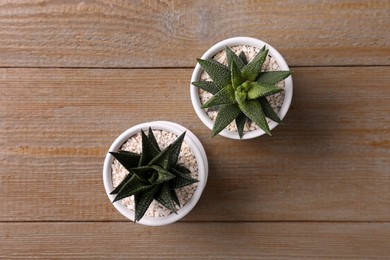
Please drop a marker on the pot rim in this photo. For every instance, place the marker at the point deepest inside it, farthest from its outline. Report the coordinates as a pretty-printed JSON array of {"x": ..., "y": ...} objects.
[
  {"x": 232, "y": 42},
  {"x": 196, "y": 148}
]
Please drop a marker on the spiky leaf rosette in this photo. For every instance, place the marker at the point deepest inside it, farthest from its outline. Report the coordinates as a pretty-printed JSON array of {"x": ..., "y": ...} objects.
[
  {"x": 240, "y": 90},
  {"x": 153, "y": 174}
]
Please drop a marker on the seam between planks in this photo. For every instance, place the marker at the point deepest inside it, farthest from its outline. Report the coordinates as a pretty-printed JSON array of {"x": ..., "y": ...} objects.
[
  {"x": 189, "y": 222},
  {"x": 173, "y": 68}
]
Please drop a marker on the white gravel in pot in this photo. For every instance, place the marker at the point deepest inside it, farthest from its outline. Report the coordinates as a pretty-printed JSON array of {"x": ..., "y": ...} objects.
[
  {"x": 186, "y": 158},
  {"x": 270, "y": 64}
]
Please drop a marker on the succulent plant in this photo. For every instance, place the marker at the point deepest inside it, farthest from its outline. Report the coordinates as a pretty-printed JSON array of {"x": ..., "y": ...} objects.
[
  {"x": 153, "y": 174},
  {"x": 240, "y": 90}
]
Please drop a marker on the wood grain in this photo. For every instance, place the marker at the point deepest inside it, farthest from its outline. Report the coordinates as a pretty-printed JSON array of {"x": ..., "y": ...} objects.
[
  {"x": 106, "y": 33},
  {"x": 75, "y": 74},
  {"x": 329, "y": 162},
  {"x": 195, "y": 241}
]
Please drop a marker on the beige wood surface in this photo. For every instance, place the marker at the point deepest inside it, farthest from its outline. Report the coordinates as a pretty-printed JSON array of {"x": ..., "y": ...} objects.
[
  {"x": 330, "y": 161},
  {"x": 116, "y": 33},
  {"x": 209, "y": 240},
  {"x": 76, "y": 74}
]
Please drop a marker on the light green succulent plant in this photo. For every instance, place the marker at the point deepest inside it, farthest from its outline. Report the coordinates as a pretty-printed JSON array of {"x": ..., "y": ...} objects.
[
  {"x": 240, "y": 90},
  {"x": 153, "y": 174}
]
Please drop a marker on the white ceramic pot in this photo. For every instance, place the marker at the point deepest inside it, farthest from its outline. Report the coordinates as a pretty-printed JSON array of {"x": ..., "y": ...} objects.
[
  {"x": 200, "y": 156},
  {"x": 221, "y": 46}
]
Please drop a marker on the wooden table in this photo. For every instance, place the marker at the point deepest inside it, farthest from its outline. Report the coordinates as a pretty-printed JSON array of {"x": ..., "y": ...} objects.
[{"x": 75, "y": 74}]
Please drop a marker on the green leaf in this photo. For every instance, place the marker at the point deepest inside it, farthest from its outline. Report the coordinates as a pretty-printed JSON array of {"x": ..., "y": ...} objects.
[
  {"x": 253, "y": 110},
  {"x": 216, "y": 62},
  {"x": 142, "y": 202},
  {"x": 163, "y": 175},
  {"x": 182, "y": 179},
  {"x": 272, "y": 77},
  {"x": 242, "y": 57},
  {"x": 226, "y": 114},
  {"x": 224, "y": 96},
  {"x": 127, "y": 159},
  {"x": 163, "y": 159},
  {"x": 148, "y": 150},
  {"x": 217, "y": 72},
  {"x": 173, "y": 194},
  {"x": 268, "y": 111},
  {"x": 240, "y": 94},
  {"x": 153, "y": 140},
  {"x": 153, "y": 174},
  {"x": 208, "y": 86},
  {"x": 240, "y": 123},
  {"x": 182, "y": 169},
  {"x": 237, "y": 78},
  {"x": 176, "y": 147},
  {"x": 232, "y": 57},
  {"x": 133, "y": 186},
  {"x": 257, "y": 90},
  {"x": 122, "y": 183},
  {"x": 164, "y": 197},
  {"x": 143, "y": 173},
  {"x": 253, "y": 68}
]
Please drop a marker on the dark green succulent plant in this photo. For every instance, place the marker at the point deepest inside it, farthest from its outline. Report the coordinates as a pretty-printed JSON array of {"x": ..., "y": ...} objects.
[
  {"x": 240, "y": 90},
  {"x": 153, "y": 174}
]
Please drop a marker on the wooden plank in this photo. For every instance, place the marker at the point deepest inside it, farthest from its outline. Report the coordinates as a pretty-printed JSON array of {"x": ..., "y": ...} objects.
[
  {"x": 329, "y": 162},
  {"x": 195, "y": 241},
  {"x": 173, "y": 33}
]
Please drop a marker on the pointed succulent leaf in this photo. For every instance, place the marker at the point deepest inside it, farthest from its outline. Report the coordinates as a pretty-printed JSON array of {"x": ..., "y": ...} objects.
[
  {"x": 272, "y": 77},
  {"x": 215, "y": 62},
  {"x": 208, "y": 86},
  {"x": 253, "y": 68},
  {"x": 152, "y": 174},
  {"x": 226, "y": 114},
  {"x": 127, "y": 159},
  {"x": 162, "y": 175},
  {"x": 122, "y": 183},
  {"x": 217, "y": 72},
  {"x": 224, "y": 96},
  {"x": 133, "y": 186},
  {"x": 173, "y": 194},
  {"x": 240, "y": 123},
  {"x": 240, "y": 95},
  {"x": 232, "y": 57},
  {"x": 164, "y": 197},
  {"x": 237, "y": 78},
  {"x": 268, "y": 110},
  {"x": 182, "y": 179},
  {"x": 148, "y": 150},
  {"x": 257, "y": 90},
  {"x": 242, "y": 57},
  {"x": 253, "y": 110},
  {"x": 262, "y": 49},
  {"x": 143, "y": 173},
  {"x": 153, "y": 140},
  {"x": 142, "y": 202},
  {"x": 146, "y": 182},
  {"x": 176, "y": 147},
  {"x": 182, "y": 168},
  {"x": 163, "y": 159}
]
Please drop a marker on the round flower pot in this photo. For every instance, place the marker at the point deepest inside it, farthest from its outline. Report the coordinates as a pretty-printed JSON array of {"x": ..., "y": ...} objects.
[
  {"x": 240, "y": 41},
  {"x": 202, "y": 165}
]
